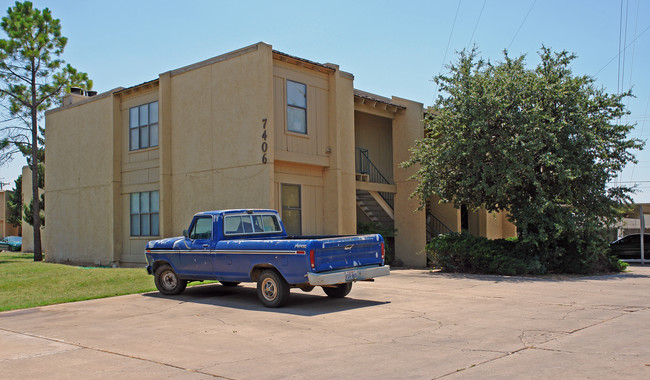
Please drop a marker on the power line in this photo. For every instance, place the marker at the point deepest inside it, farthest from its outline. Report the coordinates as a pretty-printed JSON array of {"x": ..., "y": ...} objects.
[
  {"x": 447, "y": 49},
  {"x": 522, "y": 24},
  {"x": 475, "y": 25},
  {"x": 618, "y": 55},
  {"x": 627, "y": 13},
  {"x": 620, "y": 34}
]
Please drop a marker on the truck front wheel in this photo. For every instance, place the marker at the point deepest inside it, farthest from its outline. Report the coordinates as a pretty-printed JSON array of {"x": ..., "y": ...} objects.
[
  {"x": 272, "y": 289},
  {"x": 167, "y": 281},
  {"x": 340, "y": 291}
]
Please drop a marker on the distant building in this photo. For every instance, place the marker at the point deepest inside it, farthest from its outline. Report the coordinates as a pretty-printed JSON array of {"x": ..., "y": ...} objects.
[
  {"x": 253, "y": 128},
  {"x": 6, "y": 228}
]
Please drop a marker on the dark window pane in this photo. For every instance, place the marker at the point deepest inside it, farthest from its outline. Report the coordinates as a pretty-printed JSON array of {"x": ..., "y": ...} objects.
[
  {"x": 135, "y": 139},
  {"x": 291, "y": 219},
  {"x": 155, "y": 201},
  {"x": 153, "y": 135},
  {"x": 153, "y": 112},
  {"x": 290, "y": 196},
  {"x": 144, "y": 225},
  {"x": 133, "y": 117},
  {"x": 135, "y": 203},
  {"x": 233, "y": 225},
  {"x": 144, "y": 114},
  {"x": 154, "y": 225},
  {"x": 296, "y": 94},
  {"x": 144, "y": 202},
  {"x": 203, "y": 228},
  {"x": 246, "y": 224},
  {"x": 271, "y": 223},
  {"x": 135, "y": 225},
  {"x": 144, "y": 137},
  {"x": 258, "y": 224},
  {"x": 296, "y": 119}
]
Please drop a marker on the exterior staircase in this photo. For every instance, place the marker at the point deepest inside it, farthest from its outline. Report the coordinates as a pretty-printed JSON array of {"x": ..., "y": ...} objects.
[
  {"x": 372, "y": 207},
  {"x": 435, "y": 226},
  {"x": 378, "y": 206}
]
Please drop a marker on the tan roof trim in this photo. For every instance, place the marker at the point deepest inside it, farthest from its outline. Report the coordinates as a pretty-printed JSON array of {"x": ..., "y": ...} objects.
[
  {"x": 84, "y": 101},
  {"x": 311, "y": 65},
  {"x": 141, "y": 86},
  {"x": 376, "y": 100},
  {"x": 219, "y": 58}
]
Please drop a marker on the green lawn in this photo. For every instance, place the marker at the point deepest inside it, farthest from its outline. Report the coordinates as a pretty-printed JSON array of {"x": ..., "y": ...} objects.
[{"x": 25, "y": 283}]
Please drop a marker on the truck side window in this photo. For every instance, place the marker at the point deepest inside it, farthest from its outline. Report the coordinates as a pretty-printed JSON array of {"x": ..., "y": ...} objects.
[
  {"x": 257, "y": 223},
  {"x": 233, "y": 225},
  {"x": 246, "y": 223},
  {"x": 202, "y": 229},
  {"x": 271, "y": 224}
]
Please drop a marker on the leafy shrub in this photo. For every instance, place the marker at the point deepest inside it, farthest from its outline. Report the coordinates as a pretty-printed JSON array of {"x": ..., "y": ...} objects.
[
  {"x": 465, "y": 253},
  {"x": 471, "y": 254}
]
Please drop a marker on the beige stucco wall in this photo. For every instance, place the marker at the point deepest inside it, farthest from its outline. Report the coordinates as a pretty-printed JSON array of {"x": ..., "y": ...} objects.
[
  {"x": 217, "y": 111},
  {"x": 339, "y": 178},
  {"x": 410, "y": 224},
  {"x": 139, "y": 172},
  {"x": 497, "y": 226},
  {"x": 446, "y": 213},
  {"x": 79, "y": 182}
]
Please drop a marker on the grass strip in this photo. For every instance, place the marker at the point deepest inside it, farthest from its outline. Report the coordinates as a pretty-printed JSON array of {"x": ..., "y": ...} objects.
[{"x": 25, "y": 283}]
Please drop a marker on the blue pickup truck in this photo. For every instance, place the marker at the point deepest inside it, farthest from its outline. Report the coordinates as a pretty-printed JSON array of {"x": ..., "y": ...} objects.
[{"x": 234, "y": 246}]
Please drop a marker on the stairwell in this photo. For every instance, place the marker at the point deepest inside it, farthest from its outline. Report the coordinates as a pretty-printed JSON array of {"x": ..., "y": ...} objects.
[{"x": 373, "y": 210}]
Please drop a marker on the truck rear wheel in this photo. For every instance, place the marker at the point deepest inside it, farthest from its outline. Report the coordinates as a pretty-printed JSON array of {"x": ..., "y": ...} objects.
[
  {"x": 272, "y": 289},
  {"x": 167, "y": 281},
  {"x": 340, "y": 291}
]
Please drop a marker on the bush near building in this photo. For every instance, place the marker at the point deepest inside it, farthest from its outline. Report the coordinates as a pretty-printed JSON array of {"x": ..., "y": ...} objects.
[{"x": 465, "y": 253}]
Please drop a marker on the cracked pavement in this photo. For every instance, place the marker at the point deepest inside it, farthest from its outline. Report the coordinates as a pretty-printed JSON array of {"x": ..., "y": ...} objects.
[{"x": 413, "y": 324}]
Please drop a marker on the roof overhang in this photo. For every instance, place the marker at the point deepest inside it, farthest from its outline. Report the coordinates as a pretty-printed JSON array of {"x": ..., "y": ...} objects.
[
  {"x": 311, "y": 65},
  {"x": 376, "y": 101}
]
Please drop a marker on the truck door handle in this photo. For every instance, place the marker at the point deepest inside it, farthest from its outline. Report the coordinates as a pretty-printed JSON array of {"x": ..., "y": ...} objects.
[{"x": 205, "y": 245}]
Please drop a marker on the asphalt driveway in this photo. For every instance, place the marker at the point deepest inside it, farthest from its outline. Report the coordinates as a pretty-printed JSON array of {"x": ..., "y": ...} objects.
[{"x": 412, "y": 324}]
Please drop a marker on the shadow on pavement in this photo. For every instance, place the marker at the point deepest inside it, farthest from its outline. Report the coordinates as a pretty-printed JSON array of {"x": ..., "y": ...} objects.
[{"x": 245, "y": 298}]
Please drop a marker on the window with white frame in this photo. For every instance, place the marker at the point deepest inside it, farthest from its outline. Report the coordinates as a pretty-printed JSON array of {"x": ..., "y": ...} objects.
[
  {"x": 291, "y": 209},
  {"x": 296, "y": 107},
  {"x": 145, "y": 214},
  {"x": 143, "y": 126}
]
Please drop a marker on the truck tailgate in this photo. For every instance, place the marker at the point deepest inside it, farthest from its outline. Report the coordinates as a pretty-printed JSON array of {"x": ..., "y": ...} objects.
[{"x": 347, "y": 252}]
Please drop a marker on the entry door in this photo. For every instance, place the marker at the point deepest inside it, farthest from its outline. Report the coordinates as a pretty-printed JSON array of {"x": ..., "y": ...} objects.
[{"x": 198, "y": 260}]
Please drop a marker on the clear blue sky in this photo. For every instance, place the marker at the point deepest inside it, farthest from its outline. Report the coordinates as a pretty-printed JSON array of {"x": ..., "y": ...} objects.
[{"x": 391, "y": 47}]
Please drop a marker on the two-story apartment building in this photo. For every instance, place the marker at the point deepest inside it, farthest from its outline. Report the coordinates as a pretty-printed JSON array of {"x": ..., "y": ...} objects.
[{"x": 253, "y": 128}]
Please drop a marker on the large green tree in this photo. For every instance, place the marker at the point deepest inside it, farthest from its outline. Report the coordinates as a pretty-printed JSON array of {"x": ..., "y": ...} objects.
[
  {"x": 541, "y": 144},
  {"x": 33, "y": 76}
]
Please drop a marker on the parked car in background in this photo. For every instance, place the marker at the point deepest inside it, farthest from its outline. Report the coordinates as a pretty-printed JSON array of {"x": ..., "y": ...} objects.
[
  {"x": 629, "y": 247},
  {"x": 11, "y": 243}
]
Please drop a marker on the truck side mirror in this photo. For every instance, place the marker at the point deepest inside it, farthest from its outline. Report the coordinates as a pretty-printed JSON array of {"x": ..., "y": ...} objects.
[{"x": 185, "y": 234}]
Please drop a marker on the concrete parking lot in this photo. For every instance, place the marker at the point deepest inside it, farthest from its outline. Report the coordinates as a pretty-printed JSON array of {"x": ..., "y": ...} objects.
[{"x": 413, "y": 324}]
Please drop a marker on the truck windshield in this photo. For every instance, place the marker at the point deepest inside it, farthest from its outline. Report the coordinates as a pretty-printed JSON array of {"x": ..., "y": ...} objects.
[{"x": 251, "y": 224}]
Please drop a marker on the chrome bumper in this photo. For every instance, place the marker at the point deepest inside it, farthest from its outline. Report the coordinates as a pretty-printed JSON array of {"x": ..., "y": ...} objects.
[{"x": 347, "y": 275}]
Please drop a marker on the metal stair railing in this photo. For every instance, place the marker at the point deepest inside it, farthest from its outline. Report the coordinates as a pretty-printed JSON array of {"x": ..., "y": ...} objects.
[
  {"x": 435, "y": 226},
  {"x": 365, "y": 166}
]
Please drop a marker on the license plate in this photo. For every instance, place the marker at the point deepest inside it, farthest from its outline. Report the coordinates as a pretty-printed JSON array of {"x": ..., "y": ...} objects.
[{"x": 351, "y": 275}]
